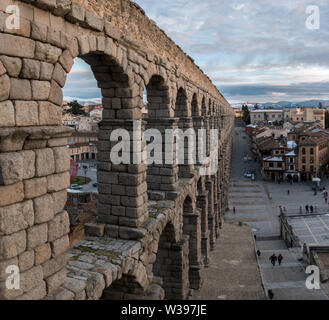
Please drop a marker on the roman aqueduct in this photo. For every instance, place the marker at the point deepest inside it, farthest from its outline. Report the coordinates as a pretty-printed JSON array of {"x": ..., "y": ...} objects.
[{"x": 156, "y": 224}]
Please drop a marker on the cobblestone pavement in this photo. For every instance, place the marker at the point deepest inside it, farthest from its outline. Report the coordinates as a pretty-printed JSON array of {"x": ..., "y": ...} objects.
[{"x": 233, "y": 272}]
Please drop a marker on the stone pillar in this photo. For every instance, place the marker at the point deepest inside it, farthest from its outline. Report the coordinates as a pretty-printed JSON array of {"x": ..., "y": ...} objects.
[
  {"x": 202, "y": 204},
  {"x": 192, "y": 228},
  {"x": 123, "y": 201},
  {"x": 178, "y": 289},
  {"x": 211, "y": 220},
  {"x": 186, "y": 169},
  {"x": 206, "y": 121},
  {"x": 163, "y": 178},
  {"x": 34, "y": 227},
  {"x": 198, "y": 124}
]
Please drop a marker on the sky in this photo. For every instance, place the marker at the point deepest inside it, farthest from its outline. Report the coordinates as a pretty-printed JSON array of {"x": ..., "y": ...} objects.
[{"x": 253, "y": 50}]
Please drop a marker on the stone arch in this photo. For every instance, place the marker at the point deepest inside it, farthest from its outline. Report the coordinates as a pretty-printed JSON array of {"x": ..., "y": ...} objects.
[
  {"x": 157, "y": 91},
  {"x": 183, "y": 112},
  {"x": 181, "y": 105},
  {"x": 169, "y": 260},
  {"x": 132, "y": 284},
  {"x": 122, "y": 102}
]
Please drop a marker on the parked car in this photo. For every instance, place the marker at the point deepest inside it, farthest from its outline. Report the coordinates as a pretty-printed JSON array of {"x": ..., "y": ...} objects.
[
  {"x": 95, "y": 184},
  {"x": 76, "y": 187}
]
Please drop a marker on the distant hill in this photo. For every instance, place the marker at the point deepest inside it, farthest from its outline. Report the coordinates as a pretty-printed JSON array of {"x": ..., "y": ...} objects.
[{"x": 289, "y": 104}]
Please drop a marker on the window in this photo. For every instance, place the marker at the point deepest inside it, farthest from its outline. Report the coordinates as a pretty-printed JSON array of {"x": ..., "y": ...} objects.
[
  {"x": 291, "y": 160},
  {"x": 273, "y": 116},
  {"x": 311, "y": 151},
  {"x": 291, "y": 167},
  {"x": 311, "y": 160},
  {"x": 303, "y": 151},
  {"x": 271, "y": 165},
  {"x": 279, "y": 116},
  {"x": 303, "y": 168},
  {"x": 303, "y": 160},
  {"x": 279, "y": 165},
  {"x": 312, "y": 168}
]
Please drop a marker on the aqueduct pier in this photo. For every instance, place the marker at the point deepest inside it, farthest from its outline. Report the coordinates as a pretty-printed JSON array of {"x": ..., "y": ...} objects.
[{"x": 156, "y": 224}]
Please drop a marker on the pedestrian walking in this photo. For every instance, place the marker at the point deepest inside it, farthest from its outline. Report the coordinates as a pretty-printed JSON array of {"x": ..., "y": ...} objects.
[
  {"x": 273, "y": 259},
  {"x": 306, "y": 208},
  {"x": 234, "y": 210},
  {"x": 258, "y": 253},
  {"x": 288, "y": 192},
  {"x": 311, "y": 208},
  {"x": 270, "y": 294},
  {"x": 280, "y": 258}
]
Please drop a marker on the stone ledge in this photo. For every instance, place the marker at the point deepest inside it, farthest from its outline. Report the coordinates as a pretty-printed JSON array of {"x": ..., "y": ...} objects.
[
  {"x": 94, "y": 264},
  {"x": 35, "y": 132}
]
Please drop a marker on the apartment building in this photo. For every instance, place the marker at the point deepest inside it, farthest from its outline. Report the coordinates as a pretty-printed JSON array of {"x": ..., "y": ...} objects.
[
  {"x": 266, "y": 116},
  {"x": 83, "y": 146}
]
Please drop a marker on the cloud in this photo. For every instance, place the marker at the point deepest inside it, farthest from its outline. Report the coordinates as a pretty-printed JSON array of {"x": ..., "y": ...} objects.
[
  {"x": 248, "y": 41},
  {"x": 260, "y": 47}
]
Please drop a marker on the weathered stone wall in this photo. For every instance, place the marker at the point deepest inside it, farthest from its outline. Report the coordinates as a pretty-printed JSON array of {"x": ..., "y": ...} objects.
[{"x": 127, "y": 53}]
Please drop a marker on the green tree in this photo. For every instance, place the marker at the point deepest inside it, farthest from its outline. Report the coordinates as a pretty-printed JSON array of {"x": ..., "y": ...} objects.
[
  {"x": 245, "y": 114},
  {"x": 256, "y": 106},
  {"x": 76, "y": 108}
]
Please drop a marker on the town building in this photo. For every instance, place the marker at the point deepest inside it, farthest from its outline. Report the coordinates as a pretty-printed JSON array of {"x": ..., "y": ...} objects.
[
  {"x": 264, "y": 116},
  {"x": 305, "y": 114},
  {"x": 83, "y": 146}
]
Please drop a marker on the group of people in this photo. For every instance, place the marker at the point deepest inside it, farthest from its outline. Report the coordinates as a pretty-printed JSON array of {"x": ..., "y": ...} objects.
[
  {"x": 274, "y": 259},
  {"x": 309, "y": 209}
]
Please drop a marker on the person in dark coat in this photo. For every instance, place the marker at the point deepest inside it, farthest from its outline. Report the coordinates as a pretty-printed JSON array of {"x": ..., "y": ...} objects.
[
  {"x": 258, "y": 253},
  {"x": 280, "y": 258},
  {"x": 273, "y": 259},
  {"x": 270, "y": 294},
  {"x": 288, "y": 192},
  {"x": 306, "y": 208},
  {"x": 311, "y": 208}
]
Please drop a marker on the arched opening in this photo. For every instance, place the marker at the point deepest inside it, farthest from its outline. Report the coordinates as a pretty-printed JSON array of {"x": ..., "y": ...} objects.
[
  {"x": 158, "y": 121},
  {"x": 192, "y": 228},
  {"x": 186, "y": 140},
  {"x": 121, "y": 175},
  {"x": 181, "y": 107},
  {"x": 82, "y": 110},
  {"x": 168, "y": 261},
  {"x": 194, "y": 104},
  {"x": 204, "y": 107}
]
